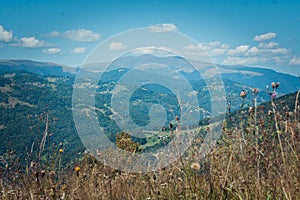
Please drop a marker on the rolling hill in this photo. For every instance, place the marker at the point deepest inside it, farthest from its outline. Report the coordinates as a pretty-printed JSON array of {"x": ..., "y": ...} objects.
[{"x": 32, "y": 92}]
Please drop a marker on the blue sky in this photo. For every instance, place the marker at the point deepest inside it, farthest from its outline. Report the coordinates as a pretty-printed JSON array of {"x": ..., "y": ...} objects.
[{"x": 232, "y": 32}]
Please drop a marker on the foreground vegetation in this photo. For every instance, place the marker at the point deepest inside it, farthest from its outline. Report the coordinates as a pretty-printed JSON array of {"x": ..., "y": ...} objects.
[{"x": 257, "y": 157}]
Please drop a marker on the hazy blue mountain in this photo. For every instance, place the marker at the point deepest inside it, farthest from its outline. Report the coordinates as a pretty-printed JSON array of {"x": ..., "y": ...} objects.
[
  {"x": 242, "y": 75},
  {"x": 28, "y": 89},
  {"x": 39, "y": 68},
  {"x": 260, "y": 78}
]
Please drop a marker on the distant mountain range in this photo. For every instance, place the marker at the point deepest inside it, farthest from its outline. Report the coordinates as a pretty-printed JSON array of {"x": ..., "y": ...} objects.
[
  {"x": 243, "y": 75},
  {"x": 28, "y": 89},
  {"x": 38, "y": 68}
]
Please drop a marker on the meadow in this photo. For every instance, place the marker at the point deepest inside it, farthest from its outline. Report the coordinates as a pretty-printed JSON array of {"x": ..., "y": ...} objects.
[{"x": 256, "y": 157}]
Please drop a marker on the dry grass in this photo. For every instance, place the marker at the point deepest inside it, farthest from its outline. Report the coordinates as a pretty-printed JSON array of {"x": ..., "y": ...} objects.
[{"x": 256, "y": 159}]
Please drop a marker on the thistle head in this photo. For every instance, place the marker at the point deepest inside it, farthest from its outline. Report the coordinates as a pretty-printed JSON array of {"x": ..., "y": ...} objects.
[
  {"x": 274, "y": 94},
  {"x": 243, "y": 94},
  {"x": 255, "y": 90},
  {"x": 273, "y": 84},
  {"x": 195, "y": 166}
]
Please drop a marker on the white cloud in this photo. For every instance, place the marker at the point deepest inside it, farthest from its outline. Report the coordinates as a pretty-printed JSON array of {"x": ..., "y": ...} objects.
[
  {"x": 295, "y": 61},
  {"x": 78, "y": 50},
  {"x": 243, "y": 60},
  {"x": 259, "y": 56},
  {"x": 269, "y": 45},
  {"x": 263, "y": 37},
  {"x": 156, "y": 51},
  {"x": 213, "y": 48},
  {"x": 281, "y": 59},
  {"x": 210, "y": 45},
  {"x": 166, "y": 27},
  {"x": 225, "y": 46},
  {"x": 117, "y": 46},
  {"x": 194, "y": 50},
  {"x": 30, "y": 42},
  {"x": 80, "y": 35},
  {"x": 145, "y": 50},
  {"x": 193, "y": 47},
  {"x": 266, "y": 52},
  {"x": 279, "y": 51},
  {"x": 240, "y": 50},
  {"x": 213, "y": 43},
  {"x": 253, "y": 51},
  {"x": 52, "y": 51},
  {"x": 217, "y": 52},
  {"x": 54, "y": 34},
  {"x": 5, "y": 36}
]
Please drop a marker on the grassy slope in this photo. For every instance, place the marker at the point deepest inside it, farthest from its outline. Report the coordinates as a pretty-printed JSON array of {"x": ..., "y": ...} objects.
[{"x": 257, "y": 158}]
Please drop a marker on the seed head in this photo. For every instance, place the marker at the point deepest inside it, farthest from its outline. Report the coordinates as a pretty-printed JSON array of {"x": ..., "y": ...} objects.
[
  {"x": 255, "y": 90},
  {"x": 243, "y": 94},
  {"x": 273, "y": 84},
  {"x": 195, "y": 166}
]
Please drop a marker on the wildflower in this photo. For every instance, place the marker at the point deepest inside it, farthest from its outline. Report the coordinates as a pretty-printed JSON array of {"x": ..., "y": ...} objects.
[
  {"x": 261, "y": 122},
  {"x": 164, "y": 184},
  {"x": 195, "y": 166},
  {"x": 270, "y": 112},
  {"x": 278, "y": 116},
  {"x": 42, "y": 173},
  {"x": 61, "y": 150},
  {"x": 77, "y": 169},
  {"x": 287, "y": 114},
  {"x": 64, "y": 186},
  {"x": 98, "y": 153},
  {"x": 243, "y": 94},
  {"x": 255, "y": 90},
  {"x": 52, "y": 192},
  {"x": 12, "y": 192},
  {"x": 273, "y": 84},
  {"x": 63, "y": 196},
  {"x": 274, "y": 94},
  {"x": 52, "y": 173},
  {"x": 251, "y": 110}
]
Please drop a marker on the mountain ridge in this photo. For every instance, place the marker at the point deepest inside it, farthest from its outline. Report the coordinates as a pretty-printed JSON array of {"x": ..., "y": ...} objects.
[{"x": 48, "y": 89}]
